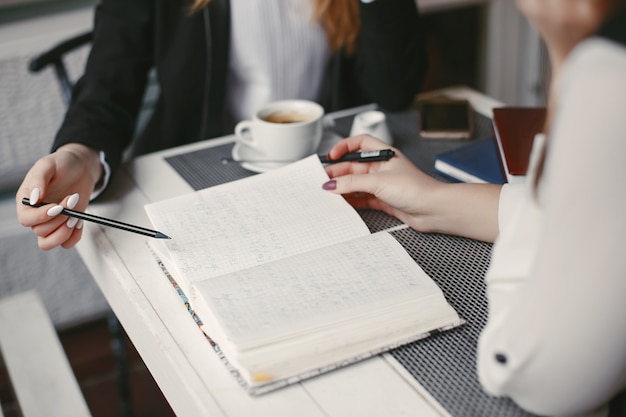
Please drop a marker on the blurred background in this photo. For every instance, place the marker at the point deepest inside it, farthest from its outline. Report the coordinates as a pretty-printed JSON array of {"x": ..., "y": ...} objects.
[{"x": 484, "y": 44}]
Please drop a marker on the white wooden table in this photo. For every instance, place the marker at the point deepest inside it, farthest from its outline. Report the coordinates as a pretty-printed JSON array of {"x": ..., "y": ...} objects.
[{"x": 191, "y": 376}]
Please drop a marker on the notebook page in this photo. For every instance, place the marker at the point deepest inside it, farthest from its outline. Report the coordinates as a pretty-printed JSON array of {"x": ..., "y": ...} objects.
[
  {"x": 254, "y": 221},
  {"x": 312, "y": 291}
]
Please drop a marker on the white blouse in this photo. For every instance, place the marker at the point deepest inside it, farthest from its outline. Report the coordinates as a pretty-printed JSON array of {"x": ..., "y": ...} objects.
[
  {"x": 277, "y": 51},
  {"x": 555, "y": 341}
]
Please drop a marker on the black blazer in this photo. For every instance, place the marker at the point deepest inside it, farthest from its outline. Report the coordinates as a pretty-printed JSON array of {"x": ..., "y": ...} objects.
[{"x": 190, "y": 55}]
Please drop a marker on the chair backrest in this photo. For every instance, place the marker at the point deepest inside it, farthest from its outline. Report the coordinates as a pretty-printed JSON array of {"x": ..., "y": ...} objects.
[
  {"x": 31, "y": 111},
  {"x": 55, "y": 56}
]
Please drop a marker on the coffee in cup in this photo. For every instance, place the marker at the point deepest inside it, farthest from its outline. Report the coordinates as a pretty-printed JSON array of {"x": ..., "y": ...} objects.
[
  {"x": 288, "y": 117},
  {"x": 285, "y": 130}
]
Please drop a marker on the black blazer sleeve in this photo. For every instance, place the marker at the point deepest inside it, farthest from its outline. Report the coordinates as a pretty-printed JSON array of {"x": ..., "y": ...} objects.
[{"x": 106, "y": 100}]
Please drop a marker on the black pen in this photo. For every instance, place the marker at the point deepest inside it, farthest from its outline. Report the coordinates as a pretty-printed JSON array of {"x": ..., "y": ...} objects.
[
  {"x": 105, "y": 222},
  {"x": 361, "y": 156}
]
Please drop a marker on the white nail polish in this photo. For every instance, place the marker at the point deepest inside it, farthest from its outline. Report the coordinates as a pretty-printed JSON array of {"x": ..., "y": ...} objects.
[
  {"x": 72, "y": 201},
  {"x": 34, "y": 196},
  {"x": 71, "y": 222},
  {"x": 55, "y": 211},
  {"x": 80, "y": 224}
]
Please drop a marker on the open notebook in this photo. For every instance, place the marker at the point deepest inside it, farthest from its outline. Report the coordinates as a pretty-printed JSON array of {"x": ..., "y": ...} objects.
[{"x": 287, "y": 280}]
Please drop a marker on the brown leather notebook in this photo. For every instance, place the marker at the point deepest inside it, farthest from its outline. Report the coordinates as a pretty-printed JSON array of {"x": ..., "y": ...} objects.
[{"x": 515, "y": 129}]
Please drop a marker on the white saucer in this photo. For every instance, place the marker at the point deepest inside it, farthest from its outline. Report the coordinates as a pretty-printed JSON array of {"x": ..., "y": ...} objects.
[{"x": 243, "y": 152}]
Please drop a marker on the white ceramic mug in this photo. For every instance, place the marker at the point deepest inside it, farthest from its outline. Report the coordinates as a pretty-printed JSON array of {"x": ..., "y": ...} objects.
[
  {"x": 373, "y": 123},
  {"x": 285, "y": 130}
]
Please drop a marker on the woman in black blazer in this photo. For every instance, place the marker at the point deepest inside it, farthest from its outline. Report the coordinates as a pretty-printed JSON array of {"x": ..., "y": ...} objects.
[{"x": 377, "y": 54}]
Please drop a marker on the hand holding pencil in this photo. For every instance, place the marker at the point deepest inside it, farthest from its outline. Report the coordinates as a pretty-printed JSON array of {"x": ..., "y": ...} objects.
[
  {"x": 71, "y": 167},
  {"x": 55, "y": 210},
  {"x": 56, "y": 177}
]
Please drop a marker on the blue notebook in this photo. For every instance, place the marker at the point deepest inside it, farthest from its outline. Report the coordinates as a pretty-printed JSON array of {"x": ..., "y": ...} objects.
[{"x": 477, "y": 162}]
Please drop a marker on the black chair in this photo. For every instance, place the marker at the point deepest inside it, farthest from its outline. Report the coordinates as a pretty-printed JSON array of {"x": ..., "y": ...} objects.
[{"x": 55, "y": 57}]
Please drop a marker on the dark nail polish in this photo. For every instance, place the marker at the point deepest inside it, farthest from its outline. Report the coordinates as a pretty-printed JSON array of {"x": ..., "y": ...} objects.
[{"x": 330, "y": 185}]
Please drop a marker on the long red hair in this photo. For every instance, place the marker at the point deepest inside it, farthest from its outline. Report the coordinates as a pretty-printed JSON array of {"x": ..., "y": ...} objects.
[{"x": 340, "y": 19}]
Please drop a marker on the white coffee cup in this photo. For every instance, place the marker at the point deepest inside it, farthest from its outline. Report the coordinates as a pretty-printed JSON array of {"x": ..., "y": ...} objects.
[
  {"x": 373, "y": 123},
  {"x": 285, "y": 130}
]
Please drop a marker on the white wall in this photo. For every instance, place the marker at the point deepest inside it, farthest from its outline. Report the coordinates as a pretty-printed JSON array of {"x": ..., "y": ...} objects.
[
  {"x": 515, "y": 67},
  {"x": 36, "y": 34}
]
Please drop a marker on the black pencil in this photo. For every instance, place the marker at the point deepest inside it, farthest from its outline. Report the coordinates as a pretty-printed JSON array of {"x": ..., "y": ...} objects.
[{"x": 103, "y": 221}]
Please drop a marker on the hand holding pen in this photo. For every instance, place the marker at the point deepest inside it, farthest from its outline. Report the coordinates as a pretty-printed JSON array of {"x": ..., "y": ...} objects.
[
  {"x": 378, "y": 185},
  {"x": 359, "y": 156}
]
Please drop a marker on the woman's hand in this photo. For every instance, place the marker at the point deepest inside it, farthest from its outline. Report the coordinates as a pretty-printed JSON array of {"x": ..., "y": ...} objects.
[
  {"x": 400, "y": 189},
  {"x": 64, "y": 178},
  {"x": 394, "y": 186}
]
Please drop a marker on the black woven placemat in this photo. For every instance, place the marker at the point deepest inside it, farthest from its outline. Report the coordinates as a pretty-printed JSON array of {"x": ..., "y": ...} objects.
[{"x": 444, "y": 364}]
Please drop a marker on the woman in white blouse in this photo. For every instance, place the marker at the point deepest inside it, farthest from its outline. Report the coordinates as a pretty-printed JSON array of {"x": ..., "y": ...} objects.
[{"x": 555, "y": 341}]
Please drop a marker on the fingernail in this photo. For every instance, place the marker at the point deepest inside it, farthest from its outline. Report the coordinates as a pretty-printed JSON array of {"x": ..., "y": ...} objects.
[
  {"x": 54, "y": 211},
  {"x": 34, "y": 196},
  {"x": 80, "y": 224},
  {"x": 72, "y": 201},
  {"x": 330, "y": 185},
  {"x": 71, "y": 222}
]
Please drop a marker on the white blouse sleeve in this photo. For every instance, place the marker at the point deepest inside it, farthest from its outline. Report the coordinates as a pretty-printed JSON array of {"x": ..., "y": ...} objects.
[
  {"x": 555, "y": 341},
  {"x": 511, "y": 196}
]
